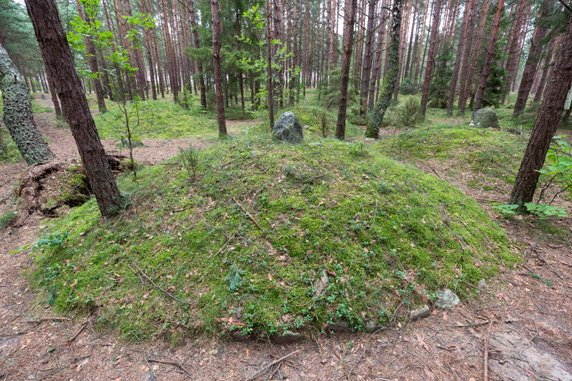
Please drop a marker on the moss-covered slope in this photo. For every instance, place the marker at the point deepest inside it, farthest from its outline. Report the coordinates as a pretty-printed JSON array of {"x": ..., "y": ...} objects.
[{"x": 270, "y": 237}]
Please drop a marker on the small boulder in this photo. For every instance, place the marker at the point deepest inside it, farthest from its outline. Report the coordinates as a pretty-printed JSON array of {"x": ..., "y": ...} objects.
[
  {"x": 420, "y": 313},
  {"x": 485, "y": 118},
  {"x": 287, "y": 337},
  {"x": 288, "y": 129},
  {"x": 446, "y": 299}
]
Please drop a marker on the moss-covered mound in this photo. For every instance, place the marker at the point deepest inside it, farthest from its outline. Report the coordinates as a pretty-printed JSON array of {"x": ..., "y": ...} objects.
[{"x": 267, "y": 238}]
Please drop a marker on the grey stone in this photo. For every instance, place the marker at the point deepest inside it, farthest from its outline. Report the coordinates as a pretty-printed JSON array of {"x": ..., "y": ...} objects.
[
  {"x": 288, "y": 337},
  {"x": 482, "y": 285},
  {"x": 485, "y": 118},
  {"x": 446, "y": 299},
  {"x": 288, "y": 129},
  {"x": 339, "y": 327},
  {"x": 372, "y": 326},
  {"x": 149, "y": 376},
  {"x": 420, "y": 313}
]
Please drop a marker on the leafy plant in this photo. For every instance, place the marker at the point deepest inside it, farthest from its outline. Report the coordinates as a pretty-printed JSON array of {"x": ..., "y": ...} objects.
[
  {"x": 558, "y": 168},
  {"x": 545, "y": 210},
  {"x": 234, "y": 278}
]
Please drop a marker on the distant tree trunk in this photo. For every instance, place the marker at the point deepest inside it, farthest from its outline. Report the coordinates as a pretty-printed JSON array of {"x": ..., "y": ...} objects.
[
  {"x": 358, "y": 63},
  {"x": 378, "y": 58},
  {"x": 54, "y": 96},
  {"x": 547, "y": 121},
  {"x": 536, "y": 44},
  {"x": 368, "y": 61},
  {"x": 408, "y": 63},
  {"x": 458, "y": 59},
  {"x": 467, "y": 77},
  {"x": 333, "y": 41},
  {"x": 277, "y": 24},
  {"x": 58, "y": 60},
  {"x": 197, "y": 43},
  {"x": 431, "y": 58},
  {"x": 391, "y": 72},
  {"x": 489, "y": 55},
  {"x": 349, "y": 21},
  {"x": 92, "y": 62},
  {"x": 217, "y": 70},
  {"x": 18, "y": 116},
  {"x": 270, "y": 83},
  {"x": 545, "y": 69},
  {"x": 513, "y": 49}
]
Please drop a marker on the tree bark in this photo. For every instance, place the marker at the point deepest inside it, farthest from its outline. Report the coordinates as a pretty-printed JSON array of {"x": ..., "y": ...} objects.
[
  {"x": 269, "y": 80},
  {"x": 18, "y": 116},
  {"x": 545, "y": 69},
  {"x": 58, "y": 60},
  {"x": 217, "y": 69},
  {"x": 350, "y": 19},
  {"x": 431, "y": 58},
  {"x": 489, "y": 55},
  {"x": 197, "y": 43},
  {"x": 391, "y": 72},
  {"x": 536, "y": 44},
  {"x": 513, "y": 50},
  {"x": 459, "y": 56},
  {"x": 366, "y": 74},
  {"x": 547, "y": 122}
]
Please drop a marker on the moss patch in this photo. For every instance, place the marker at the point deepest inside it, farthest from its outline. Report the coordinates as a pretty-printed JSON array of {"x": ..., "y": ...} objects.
[{"x": 268, "y": 238}]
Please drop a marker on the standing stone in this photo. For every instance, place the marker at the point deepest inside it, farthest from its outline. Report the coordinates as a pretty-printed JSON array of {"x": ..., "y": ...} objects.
[
  {"x": 287, "y": 128},
  {"x": 485, "y": 118}
]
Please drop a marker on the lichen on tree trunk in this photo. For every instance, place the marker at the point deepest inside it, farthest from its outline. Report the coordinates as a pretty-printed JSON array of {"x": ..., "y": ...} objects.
[{"x": 18, "y": 116}]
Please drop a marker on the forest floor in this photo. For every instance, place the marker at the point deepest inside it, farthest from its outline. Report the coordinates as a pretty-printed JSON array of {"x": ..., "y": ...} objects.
[{"x": 521, "y": 323}]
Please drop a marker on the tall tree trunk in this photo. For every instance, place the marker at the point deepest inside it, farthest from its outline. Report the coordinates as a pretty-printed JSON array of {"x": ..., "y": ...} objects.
[
  {"x": 277, "y": 24},
  {"x": 54, "y": 96},
  {"x": 368, "y": 61},
  {"x": 458, "y": 59},
  {"x": 58, "y": 60},
  {"x": 333, "y": 41},
  {"x": 270, "y": 84},
  {"x": 547, "y": 121},
  {"x": 358, "y": 64},
  {"x": 431, "y": 58},
  {"x": 197, "y": 43},
  {"x": 513, "y": 49},
  {"x": 217, "y": 70},
  {"x": 18, "y": 116},
  {"x": 545, "y": 69},
  {"x": 390, "y": 78},
  {"x": 350, "y": 19},
  {"x": 378, "y": 57},
  {"x": 92, "y": 61},
  {"x": 489, "y": 55},
  {"x": 534, "y": 53}
]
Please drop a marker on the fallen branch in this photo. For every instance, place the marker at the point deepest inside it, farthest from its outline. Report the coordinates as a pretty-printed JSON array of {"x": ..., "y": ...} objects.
[
  {"x": 41, "y": 320},
  {"x": 248, "y": 214},
  {"x": 486, "y": 354},
  {"x": 272, "y": 364},
  {"x": 476, "y": 324},
  {"x": 225, "y": 244},
  {"x": 153, "y": 283},
  {"x": 79, "y": 331},
  {"x": 172, "y": 363}
]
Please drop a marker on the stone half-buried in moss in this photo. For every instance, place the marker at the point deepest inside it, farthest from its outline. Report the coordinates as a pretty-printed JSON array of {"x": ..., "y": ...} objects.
[{"x": 293, "y": 238}]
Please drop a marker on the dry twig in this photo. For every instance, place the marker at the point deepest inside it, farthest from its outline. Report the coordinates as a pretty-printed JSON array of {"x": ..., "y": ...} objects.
[
  {"x": 248, "y": 214},
  {"x": 279, "y": 361},
  {"x": 175, "y": 364},
  {"x": 486, "y": 354}
]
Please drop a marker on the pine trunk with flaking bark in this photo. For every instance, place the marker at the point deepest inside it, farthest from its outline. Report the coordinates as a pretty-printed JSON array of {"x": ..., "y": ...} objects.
[
  {"x": 197, "y": 44},
  {"x": 18, "y": 117},
  {"x": 58, "y": 60},
  {"x": 378, "y": 57},
  {"x": 368, "y": 60},
  {"x": 431, "y": 57},
  {"x": 531, "y": 66},
  {"x": 467, "y": 76},
  {"x": 489, "y": 55},
  {"x": 513, "y": 47},
  {"x": 270, "y": 82},
  {"x": 547, "y": 121},
  {"x": 349, "y": 22},
  {"x": 92, "y": 62},
  {"x": 459, "y": 56},
  {"x": 217, "y": 69},
  {"x": 390, "y": 78},
  {"x": 545, "y": 69}
]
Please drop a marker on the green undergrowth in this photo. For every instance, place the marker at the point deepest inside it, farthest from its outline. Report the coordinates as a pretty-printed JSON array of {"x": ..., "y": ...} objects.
[
  {"x": 265, "y": 238},
  {"x": 490, "y": 153},
  {"x": 162, "y": 119},
  {"x": 8, "y": 151}
]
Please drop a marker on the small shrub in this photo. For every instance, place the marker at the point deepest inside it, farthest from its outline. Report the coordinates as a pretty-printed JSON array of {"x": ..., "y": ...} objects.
[
  {"x": 324, "y": 128},
  {"x": 408, "y": 87},
  {"x": 357, "y": 149},
  {"x": 190, "y": 159},
  {"x": 186, "y": 99},
  {"x": 407, "y": 114},
  {"x": 544, "y": 211}
]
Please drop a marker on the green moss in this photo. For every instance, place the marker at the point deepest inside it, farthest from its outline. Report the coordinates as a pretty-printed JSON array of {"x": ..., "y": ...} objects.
[
  {"x": 246, "y": 244},
  {"x": 9, "y": 153}
]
